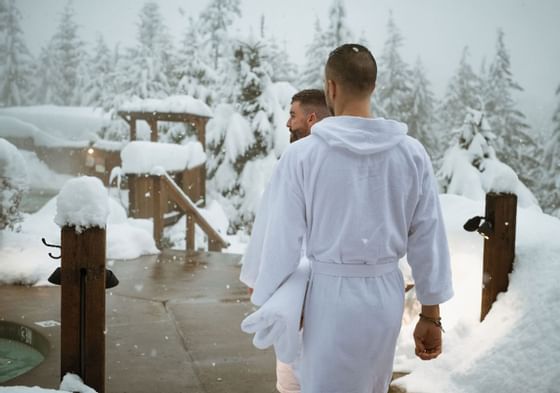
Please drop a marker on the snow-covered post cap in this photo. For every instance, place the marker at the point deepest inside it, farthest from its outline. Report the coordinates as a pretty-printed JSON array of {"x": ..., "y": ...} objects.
[{"x": 82, "y": 203}]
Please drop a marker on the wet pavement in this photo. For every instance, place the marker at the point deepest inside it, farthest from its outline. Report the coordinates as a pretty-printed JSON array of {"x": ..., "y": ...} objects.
[{"x": 172, "y": 326}]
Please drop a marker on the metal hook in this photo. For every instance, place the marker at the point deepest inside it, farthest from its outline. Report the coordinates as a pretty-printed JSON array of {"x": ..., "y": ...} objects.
[{"x": 51, "y": 245}]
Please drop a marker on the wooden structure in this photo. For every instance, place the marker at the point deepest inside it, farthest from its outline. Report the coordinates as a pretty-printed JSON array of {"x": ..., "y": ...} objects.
[
  {"x": 165, "y": 189},
  {"x": 499, "y": 247},
  {"x": 82, "y": 333},
  {"x": 193, "y": 181},
  {"x": 141, "y": 190}
]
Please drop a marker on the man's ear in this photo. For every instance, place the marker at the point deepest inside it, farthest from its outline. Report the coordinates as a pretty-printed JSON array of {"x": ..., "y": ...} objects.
[
  {"x": 312, "y": 118},
  {"x": 331, "y": 89}
]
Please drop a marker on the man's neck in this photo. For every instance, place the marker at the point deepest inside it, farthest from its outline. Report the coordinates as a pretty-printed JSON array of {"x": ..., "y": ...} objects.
[{"x": 354, "y": 108}]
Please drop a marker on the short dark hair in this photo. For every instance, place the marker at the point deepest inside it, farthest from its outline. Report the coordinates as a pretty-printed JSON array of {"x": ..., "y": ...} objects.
[
  {"x": 312, "y": 100},
  {"x": 354, "y": 67}
]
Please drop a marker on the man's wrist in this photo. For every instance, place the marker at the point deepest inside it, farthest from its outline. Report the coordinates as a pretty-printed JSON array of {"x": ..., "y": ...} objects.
[{"x": 431, "y": 311}]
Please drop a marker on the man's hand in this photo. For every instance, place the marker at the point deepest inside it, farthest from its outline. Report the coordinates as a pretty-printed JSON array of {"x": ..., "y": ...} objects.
[
  {"x": 427, "y": 337},
  {"x": 250, "y": 291}
]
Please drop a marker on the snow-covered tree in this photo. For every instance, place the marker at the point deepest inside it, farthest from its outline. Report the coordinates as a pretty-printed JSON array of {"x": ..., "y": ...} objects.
[
  {"x": 249, "y": 135},
  {"x": 13, "y": 182},
  {"x": 394, "y": 83},
  {"x": 471, "y": 168},
  {"x": 282, "y": 68},
  {"x": 66, "y": 54},
  {"x": 515, "y": 145},
  {"x": 15, "y": 59},
  {"x": 549, "y": 189},
  {"x": 463, "y": 91},
  {"x": 421, "y": 118},
  {"x": 195, "y": 76},
  {"x": 100, "y": 84},
  {"x": 337, "y": 32},
  {"x": 145, "y": 70},
  {"x": 216, "y": 20},
  {"x": 313, "y": 73}
]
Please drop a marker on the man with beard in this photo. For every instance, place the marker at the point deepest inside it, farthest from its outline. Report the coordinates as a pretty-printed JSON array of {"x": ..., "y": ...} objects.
[
  {"x": 363, "y": 195},
  {"x": 307, "y": 108}
]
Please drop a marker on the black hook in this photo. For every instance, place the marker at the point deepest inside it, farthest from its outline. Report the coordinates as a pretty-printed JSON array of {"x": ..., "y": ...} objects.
[
  {"x": 51, "y": 245},
  {"x": 474, "y": 224}
]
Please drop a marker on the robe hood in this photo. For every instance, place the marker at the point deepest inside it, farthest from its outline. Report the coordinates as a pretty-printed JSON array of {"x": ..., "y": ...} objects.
[{"x": 360, "y": 135}]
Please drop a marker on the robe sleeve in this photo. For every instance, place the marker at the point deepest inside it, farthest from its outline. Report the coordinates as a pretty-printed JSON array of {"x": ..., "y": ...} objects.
[
  {"x": 428, "y": 252},
  {"x": 278, "y": 242},
  {"x": 251, "y": 259}
]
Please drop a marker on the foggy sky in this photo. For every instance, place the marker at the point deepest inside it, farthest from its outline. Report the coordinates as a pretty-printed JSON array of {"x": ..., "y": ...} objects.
[{"x": 435, "y": 30}]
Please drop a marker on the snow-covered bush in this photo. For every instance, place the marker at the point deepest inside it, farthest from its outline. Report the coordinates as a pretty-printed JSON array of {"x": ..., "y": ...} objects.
[
  {"x": 470, "y": 166},
  {"x": 13, "y": 182}
]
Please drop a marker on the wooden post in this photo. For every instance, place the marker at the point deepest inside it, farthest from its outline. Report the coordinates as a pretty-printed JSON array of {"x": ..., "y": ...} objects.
[
  {"x": 152, "y": 121},
  {"x": 132, "y": 128},
  {"x": 190, "y": 232},
  {"x": 82, "y": 332},
  {"x": 499, "y": 247},
  {"x": 159, "y": 208}
]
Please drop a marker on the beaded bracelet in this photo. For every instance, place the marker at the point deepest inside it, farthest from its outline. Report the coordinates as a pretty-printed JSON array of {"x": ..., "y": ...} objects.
[{"x": 435, "y": 321}]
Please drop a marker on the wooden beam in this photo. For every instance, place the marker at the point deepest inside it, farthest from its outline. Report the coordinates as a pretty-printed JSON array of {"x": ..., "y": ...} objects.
[
  {"x": 190, "y": 232},
  {"x": 158, "y": 207},
  {"x": 499, "y": 247},
  {"x": 132, "y": 124},
  {"x": 152, "y": 122}
]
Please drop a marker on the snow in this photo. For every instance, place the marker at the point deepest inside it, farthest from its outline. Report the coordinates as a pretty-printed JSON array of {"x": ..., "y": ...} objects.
[
  {"x": 40, "y": 175},
  {"x": 70, "y": 383},
  {"x": 65, "y": 123},
  {"x": 171, "y": 104},
  {"x": 517, "y": 347},
  {"x": 140, "y": 157},
  {"x": 82, "y": 203},
  {"x": 11, "y": 127},
  {"x": 12, "y": 165}
]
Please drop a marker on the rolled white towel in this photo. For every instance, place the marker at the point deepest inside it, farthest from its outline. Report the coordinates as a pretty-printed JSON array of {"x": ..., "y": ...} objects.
[{"x": 277, "y": 321}]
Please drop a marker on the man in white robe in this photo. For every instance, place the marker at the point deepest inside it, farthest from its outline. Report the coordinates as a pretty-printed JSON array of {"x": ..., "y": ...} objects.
[
  {"x": 362, "y": 194},
  {"x": 307, "y": 108}
]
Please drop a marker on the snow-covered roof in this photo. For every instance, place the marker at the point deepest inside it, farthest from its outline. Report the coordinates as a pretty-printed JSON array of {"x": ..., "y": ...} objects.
[
  {"x": 172, "y": 104},
  {"x": 141, "y": 157},
  {"x": 82, "y": 203},
  {"x": 64, "y": 123},
  {"x": 12, "y": 127}
]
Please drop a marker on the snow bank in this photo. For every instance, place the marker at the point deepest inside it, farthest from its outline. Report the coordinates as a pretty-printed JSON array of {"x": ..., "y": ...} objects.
[
  {"x": 65, "y": 123},
  {"x": 517, "y": 347},
  {"x": 70, "y": 383},
  {"x": 11, "y": 127},
  {"x": 140, "y": 157},
  {"x": 12, "y": 165},
  {"x": 82, "y": 203},
  {"x": 40, "y": 175},
  {"x": 171, "y": 104}
]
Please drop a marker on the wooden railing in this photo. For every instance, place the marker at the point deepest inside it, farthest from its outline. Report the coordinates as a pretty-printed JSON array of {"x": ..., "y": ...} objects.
[{"x": 165, "y": 188}]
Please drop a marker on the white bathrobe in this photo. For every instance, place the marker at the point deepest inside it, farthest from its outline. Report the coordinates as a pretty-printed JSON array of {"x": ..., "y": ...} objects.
[{"x": 362, "y": 194}]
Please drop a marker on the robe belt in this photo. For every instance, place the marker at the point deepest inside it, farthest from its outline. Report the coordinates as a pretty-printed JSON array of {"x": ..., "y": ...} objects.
[{"x": 354, "y": 269}]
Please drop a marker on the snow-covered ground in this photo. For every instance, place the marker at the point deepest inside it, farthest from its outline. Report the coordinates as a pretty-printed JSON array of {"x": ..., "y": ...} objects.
[{"x": 517, "y": 347}]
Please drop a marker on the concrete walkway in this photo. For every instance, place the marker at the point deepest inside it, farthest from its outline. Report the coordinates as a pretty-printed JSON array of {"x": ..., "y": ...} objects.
[{"x": 172, "y": 327}]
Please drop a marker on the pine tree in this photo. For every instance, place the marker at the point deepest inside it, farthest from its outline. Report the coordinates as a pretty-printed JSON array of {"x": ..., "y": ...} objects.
[
  {"x": 65, "y": 59},
  {"x": 196, "y": 78},
  {"x": 282, "y": 68},
  {"x": 473, "y": 143},
  {"x": 421, "y": 118},
  {"x": 15, "y": 59},
  {"x": 100, "y": 85},
  {"x": 394, "y": 85},
  {"x": 216, "y": 19},
  {"x": 312, "y": 76},
  {"x": 338, "y": 32},
  {"x": 42, "y": 74},
  {"x": 515, "y": 146},
  {"x": 144, "y": 71},
  {"x": 463, "y": 91},
  {"x": 550, "y": 175}
]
